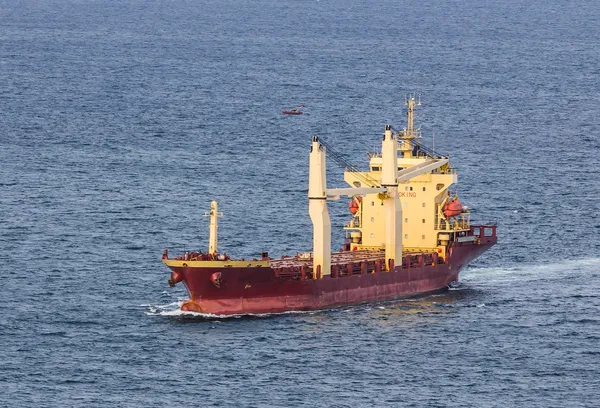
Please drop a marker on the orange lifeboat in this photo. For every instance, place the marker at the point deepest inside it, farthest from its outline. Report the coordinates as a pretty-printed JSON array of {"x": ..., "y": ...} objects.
[
  {"x": 453, "y": 208},
  {"x": 354, "y": 206}
]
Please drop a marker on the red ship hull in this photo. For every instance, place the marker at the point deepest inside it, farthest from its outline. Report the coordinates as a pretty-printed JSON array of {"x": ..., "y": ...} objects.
[{"x": 259, "y": 290}]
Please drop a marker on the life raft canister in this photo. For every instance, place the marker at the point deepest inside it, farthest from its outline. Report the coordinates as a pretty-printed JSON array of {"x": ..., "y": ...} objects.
[{"x": 453, "y": 208}]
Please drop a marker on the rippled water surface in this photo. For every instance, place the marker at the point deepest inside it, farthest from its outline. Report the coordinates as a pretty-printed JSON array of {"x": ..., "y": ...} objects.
[{"x": 120, "y": 121}]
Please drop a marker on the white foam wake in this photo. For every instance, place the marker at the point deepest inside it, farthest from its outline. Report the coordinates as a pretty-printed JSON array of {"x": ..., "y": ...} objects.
[
  {"x": 174, "y": 310},
  {"x": 157, "y": 310},
  {"x": 532, "y": 271}
]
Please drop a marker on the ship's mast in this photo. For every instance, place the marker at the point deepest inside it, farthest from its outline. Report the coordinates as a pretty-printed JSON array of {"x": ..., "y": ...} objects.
[
  {"x": 391, "y": 203},
  {"x": 318, "y": 211},
  {"x": 410, "y": 133},
  {"x": 214, "y": 215}
]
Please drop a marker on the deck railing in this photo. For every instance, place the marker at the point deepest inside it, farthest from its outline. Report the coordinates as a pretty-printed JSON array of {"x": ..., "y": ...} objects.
[{"x": 340, "y": 270}]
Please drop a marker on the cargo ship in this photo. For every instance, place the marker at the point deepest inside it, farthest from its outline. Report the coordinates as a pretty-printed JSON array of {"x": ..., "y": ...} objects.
[{"x": 407, "y": 235}]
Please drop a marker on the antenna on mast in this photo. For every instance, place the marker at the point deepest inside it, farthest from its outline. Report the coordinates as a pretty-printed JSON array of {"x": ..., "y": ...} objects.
[
  {"x": 409, "y": 133},
  {"x": 410, "y": 116}
]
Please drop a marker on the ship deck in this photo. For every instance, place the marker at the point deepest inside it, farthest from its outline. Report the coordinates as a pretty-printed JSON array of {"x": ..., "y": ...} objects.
[{"x": 337, "y": 258}]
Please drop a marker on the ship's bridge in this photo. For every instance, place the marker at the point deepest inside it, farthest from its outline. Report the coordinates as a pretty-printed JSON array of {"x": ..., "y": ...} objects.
[{"x": 423, "y": 197}]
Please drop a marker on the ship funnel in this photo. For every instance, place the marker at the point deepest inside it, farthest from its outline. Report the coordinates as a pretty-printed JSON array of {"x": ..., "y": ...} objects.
[{"x": 317, "y": 208}]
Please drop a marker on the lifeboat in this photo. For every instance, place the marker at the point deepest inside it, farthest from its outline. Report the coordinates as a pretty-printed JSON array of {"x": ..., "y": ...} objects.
[
  {"x": 296, "y": 111},
  {"x": 453, "y": 208},
  {"x": 353, "y": 207}
]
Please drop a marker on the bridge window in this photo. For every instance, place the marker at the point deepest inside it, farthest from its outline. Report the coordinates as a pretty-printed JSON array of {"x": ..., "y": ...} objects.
[
  {"x": 423, "y": 220},
  {"x": 439, "y": 186},
  {"x": 411, "y": 189},
  {"x": 372, "y": 219},
  {"x": 374, "y": 168},
  {"x": 423, "y": 205},
  {"x": 405, "y": 236},
  {"x": 406, "y": 220},
  {"x": 423, "y": 188},
  {"x": 423, "y": 236}
]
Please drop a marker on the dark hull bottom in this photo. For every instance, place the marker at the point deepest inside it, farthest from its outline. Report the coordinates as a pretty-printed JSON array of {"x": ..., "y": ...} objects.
[
  {"x": 259, "y": 291},
  {"x": 209, "y": 309}
]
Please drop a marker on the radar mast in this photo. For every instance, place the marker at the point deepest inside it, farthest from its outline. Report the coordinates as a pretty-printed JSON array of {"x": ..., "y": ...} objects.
[{"x": 410, "y": 133}]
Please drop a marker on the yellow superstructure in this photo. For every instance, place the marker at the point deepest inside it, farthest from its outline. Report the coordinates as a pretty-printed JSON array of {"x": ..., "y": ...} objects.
[{"x": 422, "y": 197}]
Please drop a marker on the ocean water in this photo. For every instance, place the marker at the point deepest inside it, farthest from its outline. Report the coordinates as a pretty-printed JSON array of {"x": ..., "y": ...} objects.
[{"x": 121, "y": 121}]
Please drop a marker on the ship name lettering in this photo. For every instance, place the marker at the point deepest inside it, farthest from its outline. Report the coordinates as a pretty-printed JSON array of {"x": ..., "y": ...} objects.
[{"x": 409, "y": 194}]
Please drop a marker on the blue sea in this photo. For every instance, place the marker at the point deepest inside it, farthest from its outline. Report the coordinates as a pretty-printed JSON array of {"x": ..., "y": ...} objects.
[{"x": 121, "y": 120}]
